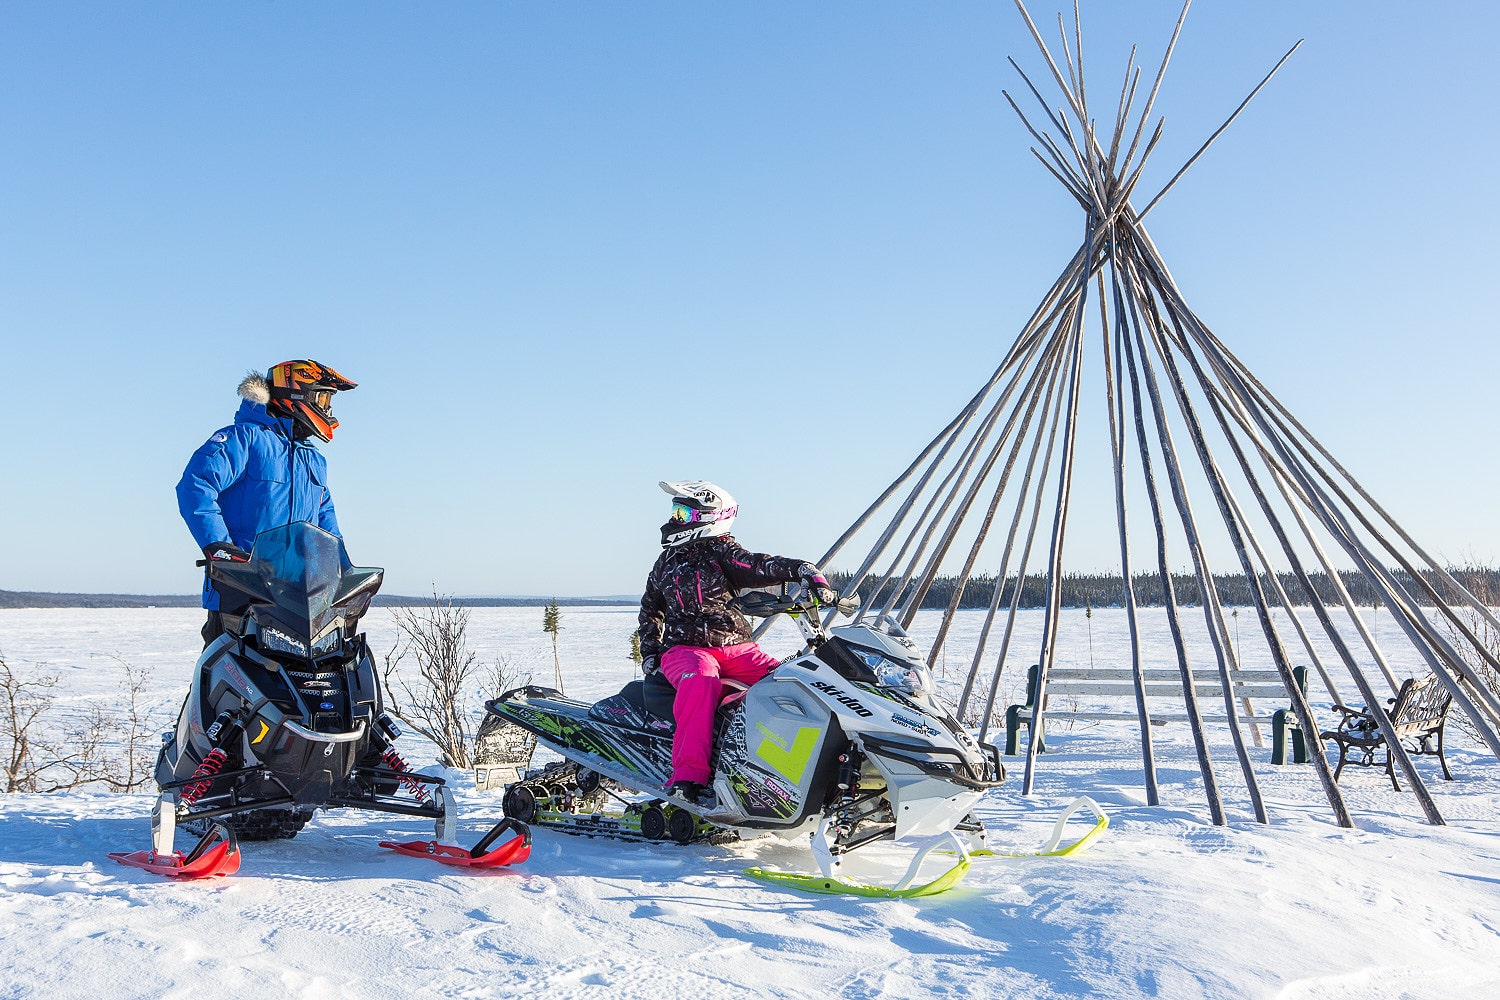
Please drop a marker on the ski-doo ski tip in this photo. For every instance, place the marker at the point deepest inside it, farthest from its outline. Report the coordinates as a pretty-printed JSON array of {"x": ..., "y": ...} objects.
[
  {"x": 830, "y": 884},
  {"x": 218, "y": 853}
]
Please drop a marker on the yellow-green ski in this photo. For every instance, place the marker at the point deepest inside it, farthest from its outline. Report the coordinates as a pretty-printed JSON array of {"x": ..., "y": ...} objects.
[{"x": 837, "y": 885}]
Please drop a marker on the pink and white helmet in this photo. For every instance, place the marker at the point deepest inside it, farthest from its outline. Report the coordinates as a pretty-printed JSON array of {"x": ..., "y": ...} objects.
[{"x": 699, "y": 510}]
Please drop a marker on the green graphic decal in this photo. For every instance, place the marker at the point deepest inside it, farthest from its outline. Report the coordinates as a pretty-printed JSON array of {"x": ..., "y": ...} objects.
[{"x": 789, "y": 763}]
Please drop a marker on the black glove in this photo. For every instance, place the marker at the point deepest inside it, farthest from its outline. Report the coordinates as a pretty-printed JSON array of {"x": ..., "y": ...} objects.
[
  {"x": 817, "y": 585},
  {"x": 650, "y": 665},
  {"x": 226, "y": 551}
]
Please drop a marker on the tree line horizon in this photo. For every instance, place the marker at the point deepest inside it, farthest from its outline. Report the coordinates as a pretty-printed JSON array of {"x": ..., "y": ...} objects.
[
  {"x": 1078, "y": 590},
  {"x": 1107, "y": 590}
]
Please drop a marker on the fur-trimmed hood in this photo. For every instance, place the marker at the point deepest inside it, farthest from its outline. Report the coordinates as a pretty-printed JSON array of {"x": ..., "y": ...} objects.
[{"x": 254, "y": 388}]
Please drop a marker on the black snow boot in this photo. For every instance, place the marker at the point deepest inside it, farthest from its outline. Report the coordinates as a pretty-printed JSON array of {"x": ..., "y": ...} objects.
[{"x": 690, "y": 791}]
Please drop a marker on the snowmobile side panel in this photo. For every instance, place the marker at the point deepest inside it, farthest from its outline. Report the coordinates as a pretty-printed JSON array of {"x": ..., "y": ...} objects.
[{"x": 631, "y": 756}]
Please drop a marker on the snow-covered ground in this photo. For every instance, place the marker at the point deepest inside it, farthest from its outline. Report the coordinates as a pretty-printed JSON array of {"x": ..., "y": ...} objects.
[{"x": 1165, "y": 905}]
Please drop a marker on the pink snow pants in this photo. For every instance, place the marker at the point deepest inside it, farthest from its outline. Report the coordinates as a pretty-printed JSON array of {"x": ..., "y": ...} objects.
[{"x": 698, "y": 672}]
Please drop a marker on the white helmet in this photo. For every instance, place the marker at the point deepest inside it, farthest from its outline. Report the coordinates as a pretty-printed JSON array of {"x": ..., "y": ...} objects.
[{"x": 699, "y": 510}]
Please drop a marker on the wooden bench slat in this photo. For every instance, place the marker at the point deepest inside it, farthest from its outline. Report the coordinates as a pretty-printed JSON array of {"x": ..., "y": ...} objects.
[
  {"x": 1094, "y": 688},
  {"x": 1156, "y": 674},
  {"x": 1157, "y": 719}
]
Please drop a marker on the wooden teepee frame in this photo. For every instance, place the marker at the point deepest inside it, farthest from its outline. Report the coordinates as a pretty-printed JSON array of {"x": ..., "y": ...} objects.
[{"x": 1185, "y": 416}]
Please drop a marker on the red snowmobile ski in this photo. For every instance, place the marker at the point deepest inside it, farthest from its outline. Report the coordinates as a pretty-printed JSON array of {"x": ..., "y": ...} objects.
[
  {"x": 218, "y": 853},
  {"x": 513, "y": 851}
]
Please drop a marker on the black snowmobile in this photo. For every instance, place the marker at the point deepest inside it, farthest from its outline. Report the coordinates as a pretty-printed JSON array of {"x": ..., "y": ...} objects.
[{"x": 285, "y": 716}]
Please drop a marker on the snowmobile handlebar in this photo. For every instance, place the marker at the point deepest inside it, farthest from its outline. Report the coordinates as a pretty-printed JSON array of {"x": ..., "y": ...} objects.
[{"x": 793, "y": 598}]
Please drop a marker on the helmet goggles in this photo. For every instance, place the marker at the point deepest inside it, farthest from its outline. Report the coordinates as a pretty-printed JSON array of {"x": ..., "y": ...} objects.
[
  {"x": 320, "y": 398},
  {"x": 684, "y": 512}
]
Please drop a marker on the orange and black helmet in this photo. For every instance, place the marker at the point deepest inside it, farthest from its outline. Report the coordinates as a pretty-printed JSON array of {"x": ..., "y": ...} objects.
[{"x": 303, "y": 390}]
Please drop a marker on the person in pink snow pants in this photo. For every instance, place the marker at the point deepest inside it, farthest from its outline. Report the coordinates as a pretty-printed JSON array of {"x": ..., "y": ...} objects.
[{"x": 689, "y": 632}]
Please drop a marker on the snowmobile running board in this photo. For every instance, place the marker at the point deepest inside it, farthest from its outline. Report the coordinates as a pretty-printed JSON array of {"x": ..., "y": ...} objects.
[
  {"x": 218, "y": 853},
  {"x": 834, "y": 885},
  {"x": 512, "y": 852}
]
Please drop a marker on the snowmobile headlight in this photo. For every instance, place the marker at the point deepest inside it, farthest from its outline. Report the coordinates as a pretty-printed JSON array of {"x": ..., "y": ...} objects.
[
  {"x": 901, "y": 677},
  {"x": 328, "y": 642},
  {"x": 277, "y": 641}
]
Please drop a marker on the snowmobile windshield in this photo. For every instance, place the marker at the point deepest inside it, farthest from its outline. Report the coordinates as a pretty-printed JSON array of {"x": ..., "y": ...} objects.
[{"x": 305, "y": 574}]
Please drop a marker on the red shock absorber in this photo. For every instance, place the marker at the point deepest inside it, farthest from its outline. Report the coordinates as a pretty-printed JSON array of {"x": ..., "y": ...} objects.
[
  {"x": 392, "y": 760},
  {"x": 212, "y": 765}
]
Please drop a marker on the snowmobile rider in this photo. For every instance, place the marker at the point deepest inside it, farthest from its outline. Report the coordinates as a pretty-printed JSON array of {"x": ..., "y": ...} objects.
[
  {"x": 263, "y": 470},
  {"x": 689, "y": 632}
]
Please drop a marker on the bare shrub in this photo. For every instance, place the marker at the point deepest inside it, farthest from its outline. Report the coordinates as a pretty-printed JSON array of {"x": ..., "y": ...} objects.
[
  {"x": 25, "y": 750},
  {"x": 504, "y": 675},
  {"x": 436, "y": 704},
  {"x": 1478, "y": 582},
  {"x": 132, "y": 764},
  {"x": 100, "y": 746}
]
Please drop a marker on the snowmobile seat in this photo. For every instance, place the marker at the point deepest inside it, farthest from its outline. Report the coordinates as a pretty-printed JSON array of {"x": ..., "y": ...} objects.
[
  {"x": 652, "y": 696},
  {"x": 655, "y": 695},
  {"x": 658, "y": 694}
]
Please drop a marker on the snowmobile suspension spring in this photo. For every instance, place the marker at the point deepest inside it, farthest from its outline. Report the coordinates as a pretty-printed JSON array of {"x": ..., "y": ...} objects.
[
  {"x": 212, "y": 764},
  {"x": 392, "y": 760}
]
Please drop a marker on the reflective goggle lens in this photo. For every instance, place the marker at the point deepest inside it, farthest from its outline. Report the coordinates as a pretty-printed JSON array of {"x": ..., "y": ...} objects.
[{"x": 321, "y": 398}]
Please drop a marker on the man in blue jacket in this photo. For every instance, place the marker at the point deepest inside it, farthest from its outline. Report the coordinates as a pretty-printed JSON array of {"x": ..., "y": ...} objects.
[{"x": 263, "y": 470}]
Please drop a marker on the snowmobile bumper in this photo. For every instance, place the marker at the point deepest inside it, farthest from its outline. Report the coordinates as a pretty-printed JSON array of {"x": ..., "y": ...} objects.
[
  {"x": 233, "y": 800},
  {"x": 935, "y": 762}
]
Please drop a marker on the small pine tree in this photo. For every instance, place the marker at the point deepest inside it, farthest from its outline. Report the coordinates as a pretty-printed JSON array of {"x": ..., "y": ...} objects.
[
  {"x": 552, "y": 624},
  {"x": 1088, "y": 613},
  {"x": 635, "y": 648}
]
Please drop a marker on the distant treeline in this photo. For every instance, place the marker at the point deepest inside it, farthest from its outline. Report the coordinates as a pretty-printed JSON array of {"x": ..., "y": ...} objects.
[
  {"x": 36, "y": 599},
  {"x": 1103, "y": 590},
  {"x": 1079, "y": 590}
]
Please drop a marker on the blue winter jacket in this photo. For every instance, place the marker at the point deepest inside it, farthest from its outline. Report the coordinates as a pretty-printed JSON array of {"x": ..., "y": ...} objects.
[{"x": 251, "y": 476}]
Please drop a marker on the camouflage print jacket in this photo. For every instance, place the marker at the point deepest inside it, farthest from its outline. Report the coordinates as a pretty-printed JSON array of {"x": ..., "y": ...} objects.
[{"x": 686, "y": 602}]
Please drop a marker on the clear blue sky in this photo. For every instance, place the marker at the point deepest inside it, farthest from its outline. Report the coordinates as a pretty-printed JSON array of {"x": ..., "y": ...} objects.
[{"x": 570, "y": 249}]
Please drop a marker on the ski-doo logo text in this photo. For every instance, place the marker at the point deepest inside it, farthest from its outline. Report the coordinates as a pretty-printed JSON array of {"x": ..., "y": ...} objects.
[{"x": 851, "y": 704}]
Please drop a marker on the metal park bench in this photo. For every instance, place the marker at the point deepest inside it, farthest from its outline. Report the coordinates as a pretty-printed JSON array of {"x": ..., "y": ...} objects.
[
  {"x": 1069, "y": 689},
  {"x": 1417, "y": 715}
]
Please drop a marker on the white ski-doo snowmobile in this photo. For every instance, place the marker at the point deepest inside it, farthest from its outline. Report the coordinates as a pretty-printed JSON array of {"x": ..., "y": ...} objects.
[
  {"x": 845, "y": 742},
  {"x": 285, "y": 716}
]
